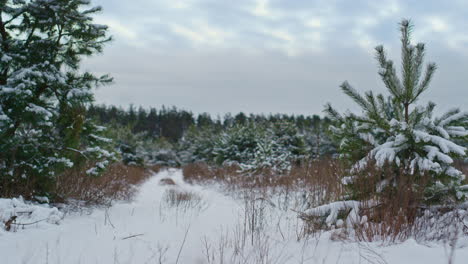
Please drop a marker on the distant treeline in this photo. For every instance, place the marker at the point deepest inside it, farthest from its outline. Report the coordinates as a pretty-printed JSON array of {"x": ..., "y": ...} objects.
[{"x": 171, "y": 123}]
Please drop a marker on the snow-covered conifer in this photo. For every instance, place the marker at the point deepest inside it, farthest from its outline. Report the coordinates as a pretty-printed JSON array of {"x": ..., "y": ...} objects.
[
  {"x": 42, "y": 91},
  {"x": 394, "y": 130},
  {"x": 237, "y": 144}
]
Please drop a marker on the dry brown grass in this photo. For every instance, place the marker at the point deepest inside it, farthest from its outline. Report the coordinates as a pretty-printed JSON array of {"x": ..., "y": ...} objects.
[
  {"x": 308, "y": 184},
  {"x": 391, "y": 211},
  {"x": 14, "y": 187},
  {"x": 176, "y": 197},
  {"x": 201, "y": 172},
  {"x": 116, "y": 183},
  {"x": 402, "y": 210},
  {"x": 322, "y": 176},
  {"x": 183, "y": 201}
]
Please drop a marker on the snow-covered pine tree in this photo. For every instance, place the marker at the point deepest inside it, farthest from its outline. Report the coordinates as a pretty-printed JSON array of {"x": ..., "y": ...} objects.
[
  {"x": 270, "y": 155},
  {"x": 198, "y": 144},
  {"x": 238, "y": 144},
  {"x": 394, "y": 131},
  {"x": 286, "y": 135},
  {"x": 42, "y": 92}
]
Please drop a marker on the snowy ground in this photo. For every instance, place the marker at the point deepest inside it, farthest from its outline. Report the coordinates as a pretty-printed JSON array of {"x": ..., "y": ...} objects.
[{"x": 209, "y": 228}]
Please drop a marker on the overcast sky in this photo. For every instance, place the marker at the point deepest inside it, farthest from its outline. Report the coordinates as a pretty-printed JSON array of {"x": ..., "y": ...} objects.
[{"x": 271, "y": 56}]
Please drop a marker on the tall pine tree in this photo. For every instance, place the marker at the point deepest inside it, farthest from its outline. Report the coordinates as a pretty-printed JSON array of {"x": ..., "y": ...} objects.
[{"x": 43, "y": 94}]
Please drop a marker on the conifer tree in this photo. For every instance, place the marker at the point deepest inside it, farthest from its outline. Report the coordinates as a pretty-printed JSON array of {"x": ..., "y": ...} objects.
[
  {"x": 43, "y": 94},
  {"x": 394, "y": 131}
]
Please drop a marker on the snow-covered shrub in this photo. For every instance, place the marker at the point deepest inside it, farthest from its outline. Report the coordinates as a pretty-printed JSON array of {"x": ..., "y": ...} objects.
[
  {"x": 163, "y": 157},
  {"x": 319, "y": 144},
  {"x": 129, "y": 154},
  {"x": 256, "y": 147},
  {"x": 270, "y": 156},
  {"x": 197, "y": 145},
  {"x": 393, "y": 132},
  {"x": 43, "y": 130},
  {"x": 140, "y": 149},
  {"x": 252, "y": 147},
  {"x": 237, "y": 144},
  {"x": 277, "y": 148},
  {"x": 128, "y": 144},
  {"x": 288, "y": 139}
]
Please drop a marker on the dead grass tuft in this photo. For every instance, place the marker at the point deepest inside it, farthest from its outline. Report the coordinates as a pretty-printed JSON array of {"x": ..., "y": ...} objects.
[{"x": 182, "y": 199}]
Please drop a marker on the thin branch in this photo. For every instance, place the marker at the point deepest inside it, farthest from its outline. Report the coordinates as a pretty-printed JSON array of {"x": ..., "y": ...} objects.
[
  {"x": 80, "y": 152},
  {"x": 132, "y": 236},
  {"x": 14, "y": 17},
  {"x": 23, "y": 224},
  {"x": 182, "y": 245}
]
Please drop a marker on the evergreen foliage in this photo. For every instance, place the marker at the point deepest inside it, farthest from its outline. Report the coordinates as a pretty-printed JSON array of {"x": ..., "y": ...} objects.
[
  {"x": 280, "y": 147},
  {"x": 394, "y": 131},
  {"x": 237, "y": 144},
  {"x": 198, "y": 145},
  {"x": 44, "y": 95},
  {"x": 252, "y": 146},
  {"x": 254, "y": 142}
]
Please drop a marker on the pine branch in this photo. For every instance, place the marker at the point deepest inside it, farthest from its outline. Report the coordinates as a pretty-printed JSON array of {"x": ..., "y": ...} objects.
[
  {"x": 374, "y": 112},
  {"x": 388, "y": 73},
  {"x": 332, "y": 113},
  {"x": 348, "y": 90},
  {"x": 418, "y": 63},
  {"x": 445, "y": 116},
  {"x": 371, "y": 102},
  {"x": 417, "y": 115},
  {"x": 385, "y": 109},
  {"x": 381, "y": 56},
  {"x": 431, "y": 68},
  {"x": 430, "y": 109},
  {"x": 407, "y": 53}
]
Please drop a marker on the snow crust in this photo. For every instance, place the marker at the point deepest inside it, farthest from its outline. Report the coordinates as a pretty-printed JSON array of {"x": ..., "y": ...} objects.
[{"x": 28, "y": 215}]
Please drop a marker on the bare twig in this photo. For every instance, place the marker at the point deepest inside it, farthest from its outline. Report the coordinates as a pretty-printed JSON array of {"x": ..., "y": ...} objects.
[
  {"x": 35, "y": 222},
  {"x": 132, "y": 236},
  {"x": 183, "y": 243}
]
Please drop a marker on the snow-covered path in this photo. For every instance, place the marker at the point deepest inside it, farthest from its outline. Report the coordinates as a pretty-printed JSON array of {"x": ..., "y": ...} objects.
[{"x": 151, "y": 230}]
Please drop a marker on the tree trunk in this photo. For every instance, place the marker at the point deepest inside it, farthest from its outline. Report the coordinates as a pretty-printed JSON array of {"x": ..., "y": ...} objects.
[
  {"x": 407, "y": 113},
  {"x": 317, "y": 151},
  {"x": 4, "y": 35}
]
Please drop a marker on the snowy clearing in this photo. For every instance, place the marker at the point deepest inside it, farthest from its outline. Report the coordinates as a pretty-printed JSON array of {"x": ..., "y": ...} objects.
[{"x": 176, "y": 222}]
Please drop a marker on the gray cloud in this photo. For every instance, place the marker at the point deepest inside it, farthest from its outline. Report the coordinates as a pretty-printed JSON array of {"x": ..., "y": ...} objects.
[{"x": 269, "y": 56}]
